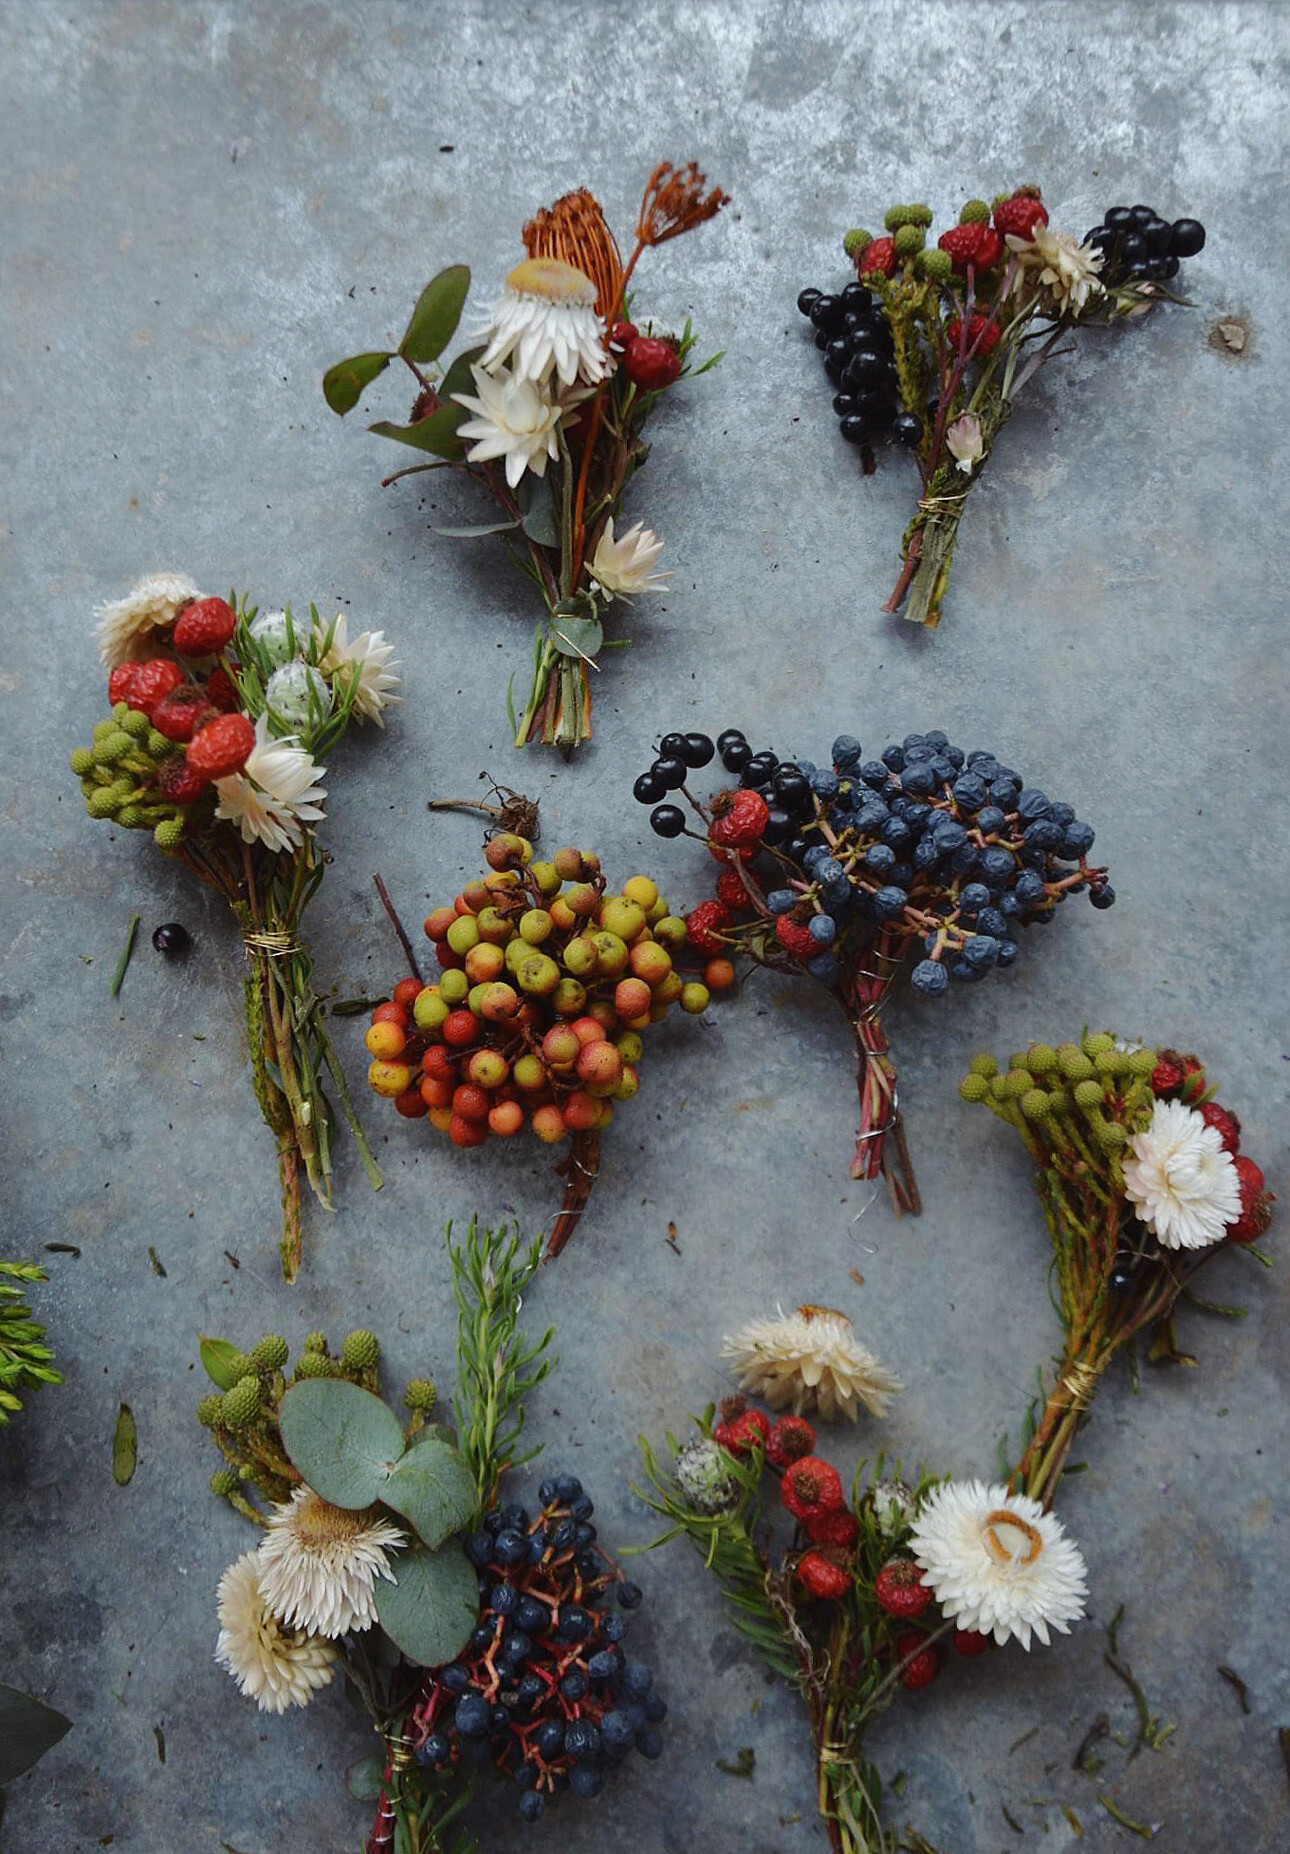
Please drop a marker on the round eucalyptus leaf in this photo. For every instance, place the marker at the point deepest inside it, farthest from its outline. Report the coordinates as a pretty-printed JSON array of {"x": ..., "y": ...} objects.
[
  {"x": 432, "y": 1606},
  {"x": 343, "y": 1440},
  {"x": 433, "y": 1488}
]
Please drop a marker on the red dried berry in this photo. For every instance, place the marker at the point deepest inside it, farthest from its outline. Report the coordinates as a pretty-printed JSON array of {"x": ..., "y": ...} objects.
[
  {"x": 223, "y": 746},
  {"x": 1172, "y": 1072},
  {"x": 119, "y": 682},
  {"x": 743, "y": 1433},
  {"x": 972, "y": 244},
  {"x": 822, "y": 1577},
  {"x": 1224, "y": 1123},
  {"x": 900, "y": 1590},
  {"x": 1256, "y": 1202},
  {"x": 732, "y": 891},
  {"x": 924, "y": 1667},
  {"x": 795, "y": 938},
  {"x": 151, "y": 683},
  {"x": 204, "y": 627},
  {"x": 791, "y": 1437},
  {"x": 840, "y": 1531},
  {"x": 180, "y": 783},
  {"x": 221, "y": 691},
  {"x": 878, "y": 255},
  {"x": 739, "y": 820},
  {"x": 811, "y": 1487},
  {"x": 180, "y": 714},
  {"x": 621, "y": 333},
  {"x": 704, "y": 926},
  {"x": 650, "y": 363},
  {"x": 1020, "y": 215},
  {"x": 969, "y": 1644},
  {"x": 982, "y": 335}
]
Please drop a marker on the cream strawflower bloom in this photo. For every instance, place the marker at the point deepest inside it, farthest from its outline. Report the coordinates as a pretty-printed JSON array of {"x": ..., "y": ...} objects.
[
  {"x": 965, "y": 442},
  {"x": 371, "y": 654},
  {"x": 1180, "y": 1181},
  {"x": 624, "y": 566},
  {"x": 546, "y": 319},
  {"x": 1064, "y": 269},
  {"x": 275, "y": 794},
  {"x": 813, "y": 1360},
  {"x": 319, "y": 1563},
  {"x": 128, "y": 628},
  {"x": 997, "y": 1563},
  {"x": 513, "y": 419},
  {"x": 275, "y": 1666}
]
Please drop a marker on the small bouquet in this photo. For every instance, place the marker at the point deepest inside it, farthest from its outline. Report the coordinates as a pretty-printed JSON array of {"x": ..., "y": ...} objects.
[
  {"x": 548, "y": 983},
  {"x": 558, "y": 375},
  {"x": 843, "y": 871},
  {"x": 469, "y": 1629},
  {"x": 932, "y": 347},
  {"x": 1142, "y": 1180},
  {"x": 26, "y": 1362},
  {"x": 220, "y": 717}
]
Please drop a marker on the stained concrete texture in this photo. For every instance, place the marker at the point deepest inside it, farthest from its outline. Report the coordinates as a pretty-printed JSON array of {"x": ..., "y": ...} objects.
[{"x": 208, "y": 203}]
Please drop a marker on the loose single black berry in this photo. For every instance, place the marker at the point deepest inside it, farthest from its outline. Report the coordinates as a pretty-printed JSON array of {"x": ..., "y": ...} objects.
[
  {"x": 1141, "y": 215},
  {"x": 1133, "y": 250},
  {"x": 647, "y": 789},
  {"x": 778, "y": 827},
  {"x": 672, "y": 747},
  {"x": 736, "y": 755},
  {"x": 844, "y": 404},
  {"x": 669, "y": 773},
  {"x": 822, "y": 338},
  {"x": 855, "y": 297},
  {"x": 698, "y": 750},
  {"x": 728, "y": 737},
  {"x": 858, "y": 429},
  {"x": 1156, "y": 234},
  {"x": 838, "y": 351},
  {"x": 171, "y": 937},
  {"x": 807, "y": 300},
  {"x": 1187, "y": 237},
  {"x": 759, "y": 770},
  {"x": 826, "y": 311},
  {"x": 866, "y": 367},
  {"x": 907, "y": 428},
  {"x": 1119, "y": 218},
  {"x": 667, "y": 820}
]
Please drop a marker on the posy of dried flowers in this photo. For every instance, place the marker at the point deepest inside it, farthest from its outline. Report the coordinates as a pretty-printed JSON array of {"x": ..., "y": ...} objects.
[
  {"x": 548, "y": 984},
  {"x": 846, "y": 870},
  {"x": 469, "y": 1628},
  {"x": 220, "y": 718},
  {"x": 545, "y": 412},
  {"x": 933, "y": 346},
  {"x": 1142, "y": 1180}
]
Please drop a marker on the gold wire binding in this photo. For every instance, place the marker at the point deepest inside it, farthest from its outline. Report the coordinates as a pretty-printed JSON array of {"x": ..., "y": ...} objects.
[
  {"x": 1081, "y": 1382},
  {"x": 930, "y": 504},
  {"x": 401, "y": 1751},
  {"x": 888, "y": 1124},
  {"x": 273, "y": 941}
]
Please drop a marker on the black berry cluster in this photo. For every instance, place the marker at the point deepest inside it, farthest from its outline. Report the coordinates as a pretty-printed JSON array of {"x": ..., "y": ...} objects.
[
  {"x": 852, "y": 332},
  {"x": 543, "y": 1689},
  {"x": 1136, "y": 242}
]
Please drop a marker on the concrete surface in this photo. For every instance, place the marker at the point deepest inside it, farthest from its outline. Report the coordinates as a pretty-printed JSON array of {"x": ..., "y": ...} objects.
[{"x": 208, "y": 203}]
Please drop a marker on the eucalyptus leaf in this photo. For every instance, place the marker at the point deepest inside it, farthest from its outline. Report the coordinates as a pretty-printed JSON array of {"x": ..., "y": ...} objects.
[
  {"x": 432, "y": 1607},
  {"x": 344, "y": 384},
  {"x": 125, "y": 1446},
  {"x": 28, "y": 1729},
  {"x": 363, "y": 1780},
  {"x": 343, "y": 1440},
  {"x": 576, "y": 637},
  {"x": 434, "y": 320},
  {"x": 538, "y": 507},
  {"x": 218, "y": 1355},
  {"x": 434, "y": 1489},
  {"x": 472, "y": 531}
]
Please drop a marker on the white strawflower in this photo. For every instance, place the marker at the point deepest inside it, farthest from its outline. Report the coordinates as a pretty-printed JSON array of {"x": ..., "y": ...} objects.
[
  {"x": 965, "y": 442},
  {"x": 296, "y": 695},
  {"x": 371, "y": 656},
  {"x": 1180, "y": 1181},
  {"x": 319, "y": 1563},
  {"x": 625, "y": 566},
  {"x": 276, "y": 793},
  {"x": 269, "y": 629},
  {"x": 1064, "y": 269},
  {"x": 997, "y": 1563},
  {"x": 812, "y": 1360},
  {"x": 513, "y": 419},
  {"x": 546, "y": 319},
  {"x": 275, "y": 1666},
  {"x": 128, "y": 629}
]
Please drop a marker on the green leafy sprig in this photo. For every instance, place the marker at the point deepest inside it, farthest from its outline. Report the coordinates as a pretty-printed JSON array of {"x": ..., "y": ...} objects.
[
  {"x": 497, "y": 1368},
  {"x": 26, "y": 1362}
]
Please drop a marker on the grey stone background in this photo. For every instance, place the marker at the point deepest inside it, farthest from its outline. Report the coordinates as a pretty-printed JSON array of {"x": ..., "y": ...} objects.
[{"x": 207, "y": 204}]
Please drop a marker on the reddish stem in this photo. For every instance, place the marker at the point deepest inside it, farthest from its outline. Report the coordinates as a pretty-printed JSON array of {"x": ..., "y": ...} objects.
[{"x": 580, "y": 1171}]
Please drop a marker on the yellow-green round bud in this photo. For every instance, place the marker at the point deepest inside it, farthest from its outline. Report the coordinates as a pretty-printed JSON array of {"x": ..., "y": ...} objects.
[
  {"x": 1109, "y": 1134},
  {"x": 1088, "y": 1095},
  {"x": 80, "y": 760},
  {"x": 1073, "y": 1063},
  {"x": 271, "y": 1354},
  {"x": 168, "y": 835},
  {"x": 983, "y": 1065},
  {"x": 103, "y": 728},
  {"x": 909, "y": 241},
  {"x": 315, "y": 1342},
  {"x": 223, "y": 1483},
  {"x": 976, "y": 212},
  {"x": 240, "y": 1406},
  {"x": 420, "y": 1394},
  {"x": 999, "y": 1088},
  {"x": 157, "y": 745},
  {"x": 854, "y": 242},
  {"x": 120, "y": 710},
  {"x": 1098, "y": 1040},
  {"x": 111, "y": 748},
  {"x": 1040, "y": 1059},
  {"x": 918, "y": 214},
  {"x": 974, "y": 1087},
  {"x": 999, "y": 199},
  {"x": 936, "y": 265},
  {"x": 361, "y": 1350},
  {"x": 1107, "y": 1061},
  {"x": 131, "y": 817},
  {"x": 210, "y": 1410},
  {"x": 1142, "y": 1062},
  {"x": 1035, "y": 1104},
  {"x": 1016, "y": 1083},
  {"x": 102, "y": 802},
  {"x": 135, "y": 724},
  {"x": 312, "y": 1365}
]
